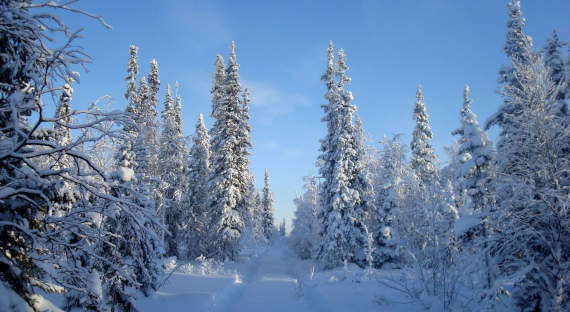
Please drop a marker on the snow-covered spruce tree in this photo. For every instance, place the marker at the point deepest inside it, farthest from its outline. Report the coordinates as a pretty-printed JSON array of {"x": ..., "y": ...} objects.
[
  {"x": 332, "y": 249},
  {"x": 305, "y": 235},
  {"x": 532, "y": 238},
  {"x": 173, "y": 170},
  {"x": 35, "y": 66},
  {"x": 223, "y": 184},
  {"x": 146, "y": 146},
  {"x": 475, "y": 178},
  {"x": 217, "y": 95},
  {"x": 133, "y": 251},
  {"x": 65, "y": 194},
  {"x": 437, "y": 214},
  {"x": 343, "y": 237},
  {"x": 393, "y": 171},
  {"x": 475, "y": 156},
  {"x": 143, "y": 133},
  {"x": 424, "y": 225},
  {"x": 517, "y": 48},
  {"x": 251, "y": 218},
  {"x": 195, "y": 214},
  {"x": 132, "y": 72},
  {"x": 267, "y": 208},
  {"x": 217, "y": 89},
  {"x": 423, "y": 158},
  {"x": 63, "y": 113},
  {"x": 151, "y": 140},
  {"x": 243, "y": 146},
  {"x": 258, "y": 215},
  {"x": 76, "y": 253},
  {"x": 283, "y": 228},
  {"x": 554, "y": 62},
  {"x": 330, "y": 118},
  {"x": 363, "y": 180}
]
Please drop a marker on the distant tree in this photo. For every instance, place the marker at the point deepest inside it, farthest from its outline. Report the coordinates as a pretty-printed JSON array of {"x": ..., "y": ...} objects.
[
  {"x": 283, "y": 228},
  {"x": 305, "y": 235},
  {"x": 258, "y": 215},
  {"x": 267, "y": 206}
]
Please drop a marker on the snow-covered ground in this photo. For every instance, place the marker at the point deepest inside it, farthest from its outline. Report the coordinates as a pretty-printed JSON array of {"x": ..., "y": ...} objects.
[{"x": 275, "y": 280}]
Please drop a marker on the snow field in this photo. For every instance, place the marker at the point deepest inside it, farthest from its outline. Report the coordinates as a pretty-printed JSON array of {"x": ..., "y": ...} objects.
[{"x": 276, "y": 280}]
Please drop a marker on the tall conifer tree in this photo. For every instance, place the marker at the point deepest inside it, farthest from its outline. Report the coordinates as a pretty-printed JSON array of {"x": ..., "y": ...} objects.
[
  {"x": 224, "y": 187},
  {"x": 173, "y": 171},
  {"x": 423, "y": 157},
  {"x": 342, "y": 233},
  {"x": 195, "y": 213}
]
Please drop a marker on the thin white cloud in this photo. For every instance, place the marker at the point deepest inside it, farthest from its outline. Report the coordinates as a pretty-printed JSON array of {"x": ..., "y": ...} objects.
[
  {"x": 270, "y": 145},
  {"x": 199, "y": 21},
  {"x": 269, "y": 102},
  {"x": 276, "y": 148}
]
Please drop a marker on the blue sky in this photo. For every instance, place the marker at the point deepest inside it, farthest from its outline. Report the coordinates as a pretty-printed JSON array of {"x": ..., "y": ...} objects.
[{"x": 391, "y": 47}]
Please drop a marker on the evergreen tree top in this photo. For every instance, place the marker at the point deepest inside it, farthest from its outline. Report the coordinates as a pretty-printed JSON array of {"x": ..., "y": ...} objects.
[
  {"x": 217, "y": 81},
  {"x": 267, "y": 194},
  {"x": 328, "y": 75},
  {"x": 421, "y": 117},
  {"x": 142, "y": 97},
  {"x": 266, "y": 179},
  {"x": 232, "y": 52},
  {"x": 341, "y": 68},
  {"x": 178, "y": 108},
  {"x": 467, "y": 115},
  {"x": 167, "y": 99},
  {"x": 516, "y": 39},
  {"x": 423, "y": 157},
  {"x": 201, "y": 131},
  {"x": 553, "y": 58},
  {"x": 233, "y": 66},
  {"x": 132, "y": 72},
  {"x": 219, "y": 73},
  {"x": 63, "y": 108},
  {"x": 153, "y": 77}
]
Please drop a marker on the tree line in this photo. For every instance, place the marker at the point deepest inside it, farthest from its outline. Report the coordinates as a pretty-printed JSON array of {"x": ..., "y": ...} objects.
[{"x": 490, "y": 224}]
